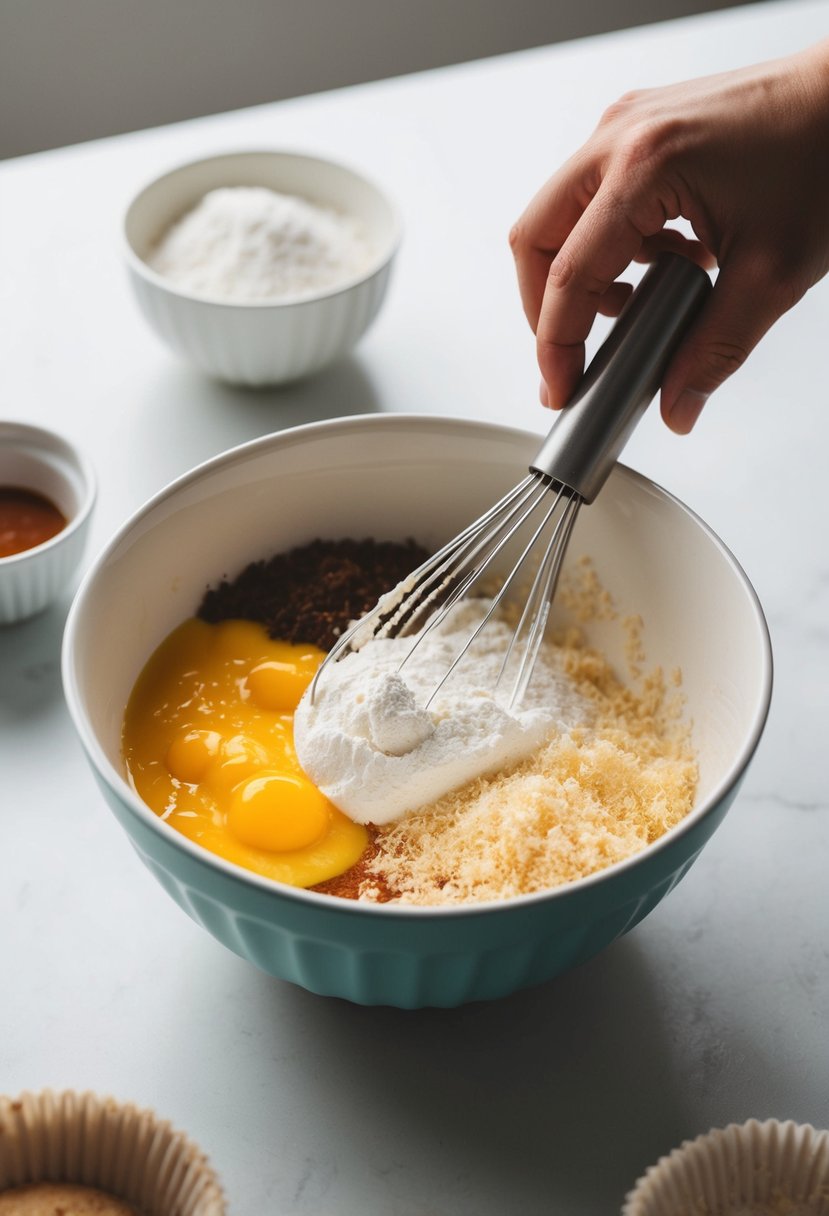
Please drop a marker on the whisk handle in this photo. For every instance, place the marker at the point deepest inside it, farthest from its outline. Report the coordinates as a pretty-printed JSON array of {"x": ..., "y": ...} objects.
[{"x": 623, "y": 377}]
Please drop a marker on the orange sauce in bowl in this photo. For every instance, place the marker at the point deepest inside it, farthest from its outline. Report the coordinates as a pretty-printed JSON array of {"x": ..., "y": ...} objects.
[{"x": 27, "y": 519}]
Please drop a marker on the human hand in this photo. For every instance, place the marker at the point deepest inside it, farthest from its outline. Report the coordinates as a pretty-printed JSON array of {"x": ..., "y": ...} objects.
[{"x": 743, "y": 156}]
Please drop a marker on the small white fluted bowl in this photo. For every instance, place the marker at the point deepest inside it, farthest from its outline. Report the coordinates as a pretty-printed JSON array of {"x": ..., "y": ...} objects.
[
  {"x": 264, "y": 342},
  {"x": 36, "y": 459}
]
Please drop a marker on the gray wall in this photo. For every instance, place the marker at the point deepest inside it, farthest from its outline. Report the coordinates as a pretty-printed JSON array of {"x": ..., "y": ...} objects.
[{"x": 72, "y": 70}]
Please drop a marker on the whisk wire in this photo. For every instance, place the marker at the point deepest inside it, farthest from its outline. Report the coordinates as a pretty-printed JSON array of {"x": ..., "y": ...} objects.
[
  {"x": 539, "y": 601},
  {"x": 529, "y": 603},
  {"x": 382, "y": 620},
  {"x": 462, "y": 555},
  {"x": 505, "y": 586},
  {"x": 511, "y": 524}
]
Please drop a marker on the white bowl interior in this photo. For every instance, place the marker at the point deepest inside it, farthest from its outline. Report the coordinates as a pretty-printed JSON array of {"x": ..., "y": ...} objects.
[
  {"x": 394, "y": 477},
  {"x": 321, "y": 182},
  {"x": 37, "y": 460}
]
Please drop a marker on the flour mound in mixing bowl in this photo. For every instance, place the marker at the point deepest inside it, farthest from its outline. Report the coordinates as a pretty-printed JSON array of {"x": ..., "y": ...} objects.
[{"x": 369, "y": 744}]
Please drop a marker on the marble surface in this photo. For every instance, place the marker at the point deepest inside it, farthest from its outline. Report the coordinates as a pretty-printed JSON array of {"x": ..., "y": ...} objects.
[{"x": 716, "y": 1008}]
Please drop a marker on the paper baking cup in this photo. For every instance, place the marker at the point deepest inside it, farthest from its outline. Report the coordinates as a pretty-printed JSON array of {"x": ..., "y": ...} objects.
[
  {"x": 114, "y": 1147},
  {"x": 753, "y": 1169}
]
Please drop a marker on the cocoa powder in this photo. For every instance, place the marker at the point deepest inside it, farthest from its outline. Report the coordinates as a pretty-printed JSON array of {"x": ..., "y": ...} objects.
[{"x": 311, "y": 593}]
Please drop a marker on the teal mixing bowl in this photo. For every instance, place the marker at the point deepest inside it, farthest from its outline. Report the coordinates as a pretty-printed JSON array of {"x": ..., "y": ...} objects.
[{"x": 391, "y": 477}]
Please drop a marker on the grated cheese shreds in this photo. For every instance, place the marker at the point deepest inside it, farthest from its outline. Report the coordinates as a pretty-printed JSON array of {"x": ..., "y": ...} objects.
[{"x": 587, "y": 799}]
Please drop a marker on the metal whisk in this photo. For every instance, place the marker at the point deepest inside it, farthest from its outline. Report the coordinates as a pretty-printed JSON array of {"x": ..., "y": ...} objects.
[{"x": 570, "y": 469}]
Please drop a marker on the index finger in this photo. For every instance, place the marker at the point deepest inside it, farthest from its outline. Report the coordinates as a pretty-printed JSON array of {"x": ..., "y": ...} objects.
[
  {"x": 544, "y": 226},
  {"x": 600, "y": 247}
]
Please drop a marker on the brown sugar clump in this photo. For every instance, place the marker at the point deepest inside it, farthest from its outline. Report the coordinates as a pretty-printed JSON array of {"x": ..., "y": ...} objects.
[
  {"x": 61, "y": 1199},
  {"x": 360, "y": 877},
  {"x": 311, "y": 593}
]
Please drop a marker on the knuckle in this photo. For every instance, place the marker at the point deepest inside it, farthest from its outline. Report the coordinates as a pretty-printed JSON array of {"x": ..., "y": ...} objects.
[
  {"x": 620, "y": 108},
  {"x": 517, "y": 237},
  {"x": 644, "y": 181},
  {"x": 721, "y": 358},
  {"x": 780, "y": 278},
  {"x": 612, "y": 113},
  {"x": 567, "y": 272},
  {"x": 781, "y": 293},
  {"x": 562, "y": 271},
  {"x": 641, "y": 147},
  {"x": 545, "y": 349},
  {"x": 791, "y": 289}
]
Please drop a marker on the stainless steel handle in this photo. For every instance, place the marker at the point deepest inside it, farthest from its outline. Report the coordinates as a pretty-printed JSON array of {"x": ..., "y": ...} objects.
[{"x": 623, "y": 377}]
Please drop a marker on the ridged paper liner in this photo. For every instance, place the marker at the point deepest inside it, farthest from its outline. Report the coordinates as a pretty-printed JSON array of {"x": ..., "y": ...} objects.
[
  {"x": 753, "y": 1169},
  {"x": 115, "y": 1147}
]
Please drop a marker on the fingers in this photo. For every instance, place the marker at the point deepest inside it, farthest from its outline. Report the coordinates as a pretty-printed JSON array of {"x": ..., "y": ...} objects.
[
  {"x": 671, "y": 241},
  {"x": 545, "y": 226},
  {"x": 614, "y": 299},
  {"x": 610, "y": 305},
  {"x": 744, "y": 304},
  {"x": 580, "y": 284}
]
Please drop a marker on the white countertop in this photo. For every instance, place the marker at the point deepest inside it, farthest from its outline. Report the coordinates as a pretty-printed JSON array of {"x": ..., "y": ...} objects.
[{"x": 716, "y": 1008}]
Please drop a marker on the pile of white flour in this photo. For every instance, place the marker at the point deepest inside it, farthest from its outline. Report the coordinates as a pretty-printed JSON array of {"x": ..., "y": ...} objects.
[
  {"x": 372, "y": 749},
  {"x": 250, "y": 244}
]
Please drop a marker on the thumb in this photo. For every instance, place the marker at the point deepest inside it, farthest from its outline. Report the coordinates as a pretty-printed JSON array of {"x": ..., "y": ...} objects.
[{"x": 744, "y": 304}]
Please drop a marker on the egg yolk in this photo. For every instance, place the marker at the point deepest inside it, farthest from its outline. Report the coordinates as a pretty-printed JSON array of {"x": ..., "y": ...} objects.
[
  {"x": 189, "y": 756},
  {"x": 208, "y": 745},
  {"x": 278, "y": 811}
]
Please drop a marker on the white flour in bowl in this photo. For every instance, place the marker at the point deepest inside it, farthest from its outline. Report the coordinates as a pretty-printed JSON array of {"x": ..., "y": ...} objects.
[
  {"x": 367, "y": 744},
  {"x": 248, "y": 244}
]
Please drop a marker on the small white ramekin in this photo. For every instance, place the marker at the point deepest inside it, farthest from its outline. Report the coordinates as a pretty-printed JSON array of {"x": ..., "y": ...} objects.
[
  {"x": 749, "y": 1169},
  {"x": 40, "y": 460},
  {"x": 264, "y": 342}
]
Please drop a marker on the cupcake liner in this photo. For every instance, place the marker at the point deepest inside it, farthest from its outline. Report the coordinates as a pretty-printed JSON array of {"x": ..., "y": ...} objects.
[
  {"x": 753, "y": 1169},
  {"x": 112, "y": 1146}
]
